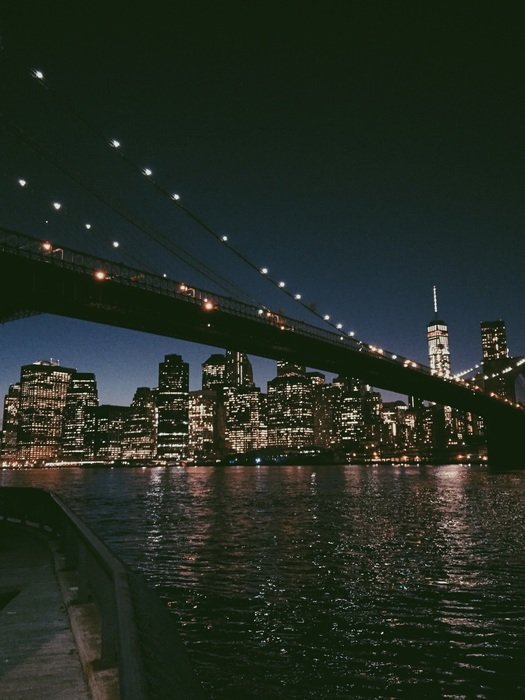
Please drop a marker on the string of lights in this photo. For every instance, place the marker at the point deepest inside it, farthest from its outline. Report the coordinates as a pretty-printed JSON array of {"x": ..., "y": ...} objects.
[
  {"x": 176, "y": 199},
  {"x": 167, "y": 244}
]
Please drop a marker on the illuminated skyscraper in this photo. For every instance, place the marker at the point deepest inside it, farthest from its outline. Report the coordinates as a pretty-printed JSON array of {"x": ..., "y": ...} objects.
[
  {"x": 494, "y": 340},
  {"x": 245, "y": 419},
  {"x": 81, "y": 394},
  {"x": 496, "y": 359},
  {"x": 10, "y": 422},
  {"x": 43, "y": 390},
  {"x": 172, "y": 405},
  {"x": 290, "y": 414},
  {"x": 140, "y": 429},
  {"x": 213, "y": 372},
  {"x": 203, "y": 443},
  {"x": 105, "y": 431},
  {"x": 437, "y": 337},
  {"x": 238, "y": 369}
]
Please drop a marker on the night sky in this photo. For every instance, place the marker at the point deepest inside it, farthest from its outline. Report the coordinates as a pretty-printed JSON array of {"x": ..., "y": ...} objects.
[{"x": 361, "y": 151}]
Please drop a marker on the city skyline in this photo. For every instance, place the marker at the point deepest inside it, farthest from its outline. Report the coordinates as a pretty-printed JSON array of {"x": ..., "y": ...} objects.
[{"x": 352, "y": 157}]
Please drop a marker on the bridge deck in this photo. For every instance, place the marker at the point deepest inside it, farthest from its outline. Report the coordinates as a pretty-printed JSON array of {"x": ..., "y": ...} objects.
[{"x": 38, "y": 654}]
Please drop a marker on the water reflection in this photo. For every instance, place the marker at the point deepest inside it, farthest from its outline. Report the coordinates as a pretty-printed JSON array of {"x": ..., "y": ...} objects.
[{"x": 325, "y": 582}]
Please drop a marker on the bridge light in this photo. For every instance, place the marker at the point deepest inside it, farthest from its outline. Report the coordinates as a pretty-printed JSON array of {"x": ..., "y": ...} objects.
[
  {"x": 175, "y": 196},
  {"x": 394, "y": 357},
  {"x": 46, "y": 245},
  {"x": 264, "y": 270},
  {"x": 100, "y": 275},
  {"x": 282, "y": 284},
  {"x": 260, "y": 311},
  {"x": 115, "y": 244},
  {"x": 164, "y": 275},
  {"x": 297, "y": 297},
  {"x": 38, "y": 74},
  {"x": 87, "y": 226},
  {"x": 351, "y": 334},
  {"x": 339, "y": 326},
  {"x": 56, "y": 205},
  {"x": 224, "y": 239},
  {"x": 326, "y": 317},
  {"x": 208, "y": 305},
  {"x": 114, "y": 143},
  {"x": 22, "y": 182},
  {"x": 147, "y": 172}
]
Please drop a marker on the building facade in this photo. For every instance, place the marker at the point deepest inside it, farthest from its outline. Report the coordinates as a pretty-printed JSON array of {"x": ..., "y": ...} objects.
[{"x": 173, "y": 409}]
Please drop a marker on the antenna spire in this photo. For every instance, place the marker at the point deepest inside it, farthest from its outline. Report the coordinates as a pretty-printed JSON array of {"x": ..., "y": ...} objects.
[{"x": 434, "y": 292}]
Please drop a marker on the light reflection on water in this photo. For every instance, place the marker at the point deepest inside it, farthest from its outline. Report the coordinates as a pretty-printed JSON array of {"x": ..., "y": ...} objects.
[{"x": 325, "y": 582}]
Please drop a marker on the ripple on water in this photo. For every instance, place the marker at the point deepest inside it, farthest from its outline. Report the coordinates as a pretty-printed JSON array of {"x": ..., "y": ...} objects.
[{"x": 325, "y": 582}]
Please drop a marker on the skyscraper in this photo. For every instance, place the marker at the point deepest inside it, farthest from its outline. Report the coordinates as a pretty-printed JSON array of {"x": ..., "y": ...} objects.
[
  {"x": 494, "y": 340},
  {"x": 81, "y": 394},
  {"x": 437, "y": 337},
  {"x": 203, "y": 441},
  {"x": 105, "y": 431},
  {"x": 245, "y": 420},
  {"x": 496, "y": 359},
  {"x": 140, "y": 428},
  {"x": 238, "y": 369},
  {"x": 43, "y": 390},
  {"x": 10, "y": 422},
  {"x": 172, "y": 405},
  {"x": 289, "y": 408},
  {"x": 213, "y": 372}
]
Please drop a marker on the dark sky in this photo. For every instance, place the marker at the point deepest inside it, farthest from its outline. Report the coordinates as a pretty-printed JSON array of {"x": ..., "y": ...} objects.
[{"x": 362, "y": 151}]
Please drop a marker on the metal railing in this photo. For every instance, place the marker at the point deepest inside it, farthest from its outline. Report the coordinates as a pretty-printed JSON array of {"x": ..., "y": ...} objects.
[{"x": 138, "y": 633}]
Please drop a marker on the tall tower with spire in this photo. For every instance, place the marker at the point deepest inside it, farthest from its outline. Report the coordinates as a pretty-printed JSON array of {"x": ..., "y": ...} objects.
[{"x": 437, "y": 337}]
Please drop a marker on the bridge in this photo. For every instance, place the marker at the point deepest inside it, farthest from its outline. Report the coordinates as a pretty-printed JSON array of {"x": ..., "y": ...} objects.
[{"x": 38, "y": 276}]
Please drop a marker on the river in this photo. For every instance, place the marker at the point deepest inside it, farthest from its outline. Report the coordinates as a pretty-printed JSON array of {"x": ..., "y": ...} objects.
[{"x": 327, "y": 581}]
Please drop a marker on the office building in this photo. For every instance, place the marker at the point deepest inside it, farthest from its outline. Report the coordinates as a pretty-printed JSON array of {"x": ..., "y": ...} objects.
[
  {"x": 438, "y": 346},
  {"x": 213, "y": 372},
  {"x": 140, "y": 429},
  {"x": 105, "y": 431},
  {"x": 43, "y": 391},
  {"x": 81, "y": 395},
  {"x": 10, "y": 423},
  {"x": 238, "y": 369},
  {"x": 289, "y": 408},
  {"x": 204, "y": 443},
  {"x": 172, "y": 408},
  {"x": 245, "y": 418}
]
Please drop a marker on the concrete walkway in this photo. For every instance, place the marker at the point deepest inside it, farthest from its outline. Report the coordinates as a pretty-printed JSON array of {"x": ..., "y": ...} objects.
[{"x": 38, "y": 656}]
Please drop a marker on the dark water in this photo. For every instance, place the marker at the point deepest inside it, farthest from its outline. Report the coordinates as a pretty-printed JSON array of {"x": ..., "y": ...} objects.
[{"x": 325, "y": 582}]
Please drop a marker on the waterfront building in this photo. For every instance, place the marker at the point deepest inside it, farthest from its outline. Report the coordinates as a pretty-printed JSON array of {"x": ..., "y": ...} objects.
[
  {"x": 104, "y": 432},
  {"x": 438, "y": 346},
  {"x": 10, "y": 422},
  {"x": 140, "y": 429},
  {"x": 493, "y": 340},
  {"x": 81, "y": 395},
  {"x": 43, "y": 390},
  {"x": 238, "y": 369},
  {"x": 245, "y": 418},
  {"x": 213, "y": 372},
  {"x": 203, "y": 440},
  {"x": 173, "y": 406},
  {"x": 289, "y": 408},
  {"x": 495, "y": 358}
]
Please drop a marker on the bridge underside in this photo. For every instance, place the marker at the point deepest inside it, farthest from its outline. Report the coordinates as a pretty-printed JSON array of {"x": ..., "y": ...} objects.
[{"x": 29, "y": 285}]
